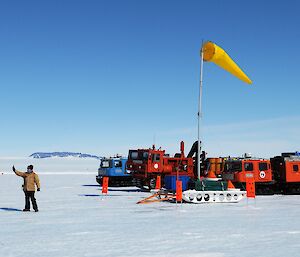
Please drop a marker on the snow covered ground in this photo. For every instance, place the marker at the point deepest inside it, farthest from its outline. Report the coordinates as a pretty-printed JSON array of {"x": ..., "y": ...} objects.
[{"x": 76, "y": 220}]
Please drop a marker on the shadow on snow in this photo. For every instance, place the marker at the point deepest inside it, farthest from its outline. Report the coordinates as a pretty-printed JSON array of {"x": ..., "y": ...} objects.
[
  {"x": 94, "y": 195},
  {"x": 120, "y": 189},
  {"x": 126, "y": 190},
  {"x": 9, "y": 209}
]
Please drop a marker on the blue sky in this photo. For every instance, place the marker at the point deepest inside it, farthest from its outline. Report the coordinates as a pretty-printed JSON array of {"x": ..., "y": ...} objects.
[{"x": 105, "y": 76}]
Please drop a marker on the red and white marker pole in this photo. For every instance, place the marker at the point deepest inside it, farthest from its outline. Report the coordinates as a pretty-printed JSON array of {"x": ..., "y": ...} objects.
[{"x": 105, "y": 185}]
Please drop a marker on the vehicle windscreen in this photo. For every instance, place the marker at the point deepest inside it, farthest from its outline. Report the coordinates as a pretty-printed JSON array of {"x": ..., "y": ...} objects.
[
  {"x": 248, "y": 166},
  {"x": 118, "y": 163},
  {"x": 133, "y": 155},
  {"x": 233, "y": 166},
  {"x": 155, "y": 157},
  {"x": 145, "y": 155},
  {"x": 263, "y": 166},
  {"x": 138, "y": 155},
  {"x": 105, "y": 164}
]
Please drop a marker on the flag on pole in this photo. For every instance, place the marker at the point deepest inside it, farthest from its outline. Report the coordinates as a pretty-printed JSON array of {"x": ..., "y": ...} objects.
[{"x": 215, "y": 54}]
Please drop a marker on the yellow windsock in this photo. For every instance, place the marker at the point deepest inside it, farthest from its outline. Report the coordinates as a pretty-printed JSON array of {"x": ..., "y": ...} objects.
[{"x": 214, "y": 53}]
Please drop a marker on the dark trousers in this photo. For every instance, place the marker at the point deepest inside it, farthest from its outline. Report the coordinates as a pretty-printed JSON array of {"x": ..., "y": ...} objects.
[{"x": 30, "y": 195}]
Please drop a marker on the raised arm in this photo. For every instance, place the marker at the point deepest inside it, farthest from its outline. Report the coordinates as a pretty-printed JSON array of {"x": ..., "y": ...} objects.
[{"x": 18, "y": 173}]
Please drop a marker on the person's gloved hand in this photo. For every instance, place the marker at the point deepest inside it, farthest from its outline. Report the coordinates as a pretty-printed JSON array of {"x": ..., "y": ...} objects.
[
  {"x": 39, "y": 189},
  {"x": 13, "y": 168}
]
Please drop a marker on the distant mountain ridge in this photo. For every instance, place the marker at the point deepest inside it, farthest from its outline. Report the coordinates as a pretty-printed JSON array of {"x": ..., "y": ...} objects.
[{"x": 40, "y": 155}]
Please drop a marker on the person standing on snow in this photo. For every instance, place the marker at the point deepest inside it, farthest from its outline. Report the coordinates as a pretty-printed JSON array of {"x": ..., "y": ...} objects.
[{"x": 30, "y": 180}]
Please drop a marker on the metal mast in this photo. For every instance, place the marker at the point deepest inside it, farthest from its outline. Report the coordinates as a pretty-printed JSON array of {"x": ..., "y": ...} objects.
[{"x": 200, "y": 112}]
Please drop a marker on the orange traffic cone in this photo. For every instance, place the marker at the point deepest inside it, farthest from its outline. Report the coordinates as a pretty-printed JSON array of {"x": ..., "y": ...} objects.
[
  {"x": 230, "y": 186},
  {"x": 211, "y": 174}
]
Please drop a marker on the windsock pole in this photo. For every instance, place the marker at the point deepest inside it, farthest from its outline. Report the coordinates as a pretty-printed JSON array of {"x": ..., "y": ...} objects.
[{"x": 200, "y": 113}]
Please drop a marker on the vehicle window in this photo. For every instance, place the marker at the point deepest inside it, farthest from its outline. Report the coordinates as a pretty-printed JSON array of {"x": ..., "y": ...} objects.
[
  {"x": 263, "y": 166},
  {"x": 233, "y": 166},
  {"x": 248, "y": 166},
  {"x": 105, "y": 164},
  {"x": 145, "y": 155},
  {"x": 133, "y": 155},
  {"x": 295, "y": 168},
  {"x": 155, "y": 157},
  {"x": 118, "y": 164}
]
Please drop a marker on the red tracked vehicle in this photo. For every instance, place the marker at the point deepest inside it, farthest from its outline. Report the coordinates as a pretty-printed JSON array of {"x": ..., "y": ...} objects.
[
  {"x": 147, "y": 164},
  {"x": 286, "y": 170},
  {"x": 238, "y": 169}
]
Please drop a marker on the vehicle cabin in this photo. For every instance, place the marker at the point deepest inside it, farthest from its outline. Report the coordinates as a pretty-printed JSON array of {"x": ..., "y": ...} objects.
[
  {"x": 286, "y": 168},
  {"x": 115, "y": 169},
  {"x": 238, "y": 170},
  {"x": 151, "y": 162}
]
